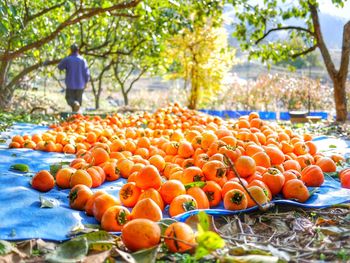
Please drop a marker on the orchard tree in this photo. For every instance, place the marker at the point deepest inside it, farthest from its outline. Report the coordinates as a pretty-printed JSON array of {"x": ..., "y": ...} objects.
[
  {"x": 124, "y": 47},
  {"x": 258, "y": 22},
  {"x": 30, "y": 31},
  {"x": 127, "y": 72},
  {"x": 101, "y": 39},
  {"x": 202, "y": 58}
]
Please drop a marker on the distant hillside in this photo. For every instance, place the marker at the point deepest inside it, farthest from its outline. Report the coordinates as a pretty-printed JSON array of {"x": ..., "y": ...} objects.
[{"x": 331, "y": 26}]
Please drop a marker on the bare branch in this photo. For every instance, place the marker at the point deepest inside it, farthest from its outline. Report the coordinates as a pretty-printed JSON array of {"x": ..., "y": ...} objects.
[
  {"x": 100, "y": 77},
  {"x": 345, "y": 55},
  {"x": 109, "y": 52},
  {"x": 27, "y": 70},
  {"x": 302, "y": 53},
  {"x": 320, "y": 42},
  {"x": 143, "y": 71},
  {"x": 75, "y": 18},
  {"x": 126, "y": 77},
  {"x": 58, "y": 81},
  {"x": 116, "y": 66},
  {"x": 283, "y": 28}
]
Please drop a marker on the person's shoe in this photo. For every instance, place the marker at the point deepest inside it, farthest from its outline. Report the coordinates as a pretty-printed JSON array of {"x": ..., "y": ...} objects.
[{"x": 76, "y": 106}]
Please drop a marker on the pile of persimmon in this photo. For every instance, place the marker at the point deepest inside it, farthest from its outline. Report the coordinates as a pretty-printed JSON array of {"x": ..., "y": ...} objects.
[{"x": 179, "y": 160}]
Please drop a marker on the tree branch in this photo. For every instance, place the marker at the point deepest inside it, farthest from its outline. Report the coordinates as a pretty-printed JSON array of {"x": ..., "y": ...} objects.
[
  {"x": 124, "y": 15},
  {"x": 345, "y": 54},
  {"x": 283, "y": 28},
  {"x": 302, "y": 53},
  {"x": 320, "y": 42},
  {"x": 109, "y": 52},
  {"x": 105, "y": 42},
  {"x": 80, "y": 15},
  {"x": 126, "y": 77},
  {"x": 143, "y": 71},
  {"x": 58, "y": 80},
  {"x": 26, "y": 11},
  {"x": 27, "y": 70},
  {"x": 100, "y": 77},
  {"x": 29, "y": 18},
  {"x": 116, "y": 66}
]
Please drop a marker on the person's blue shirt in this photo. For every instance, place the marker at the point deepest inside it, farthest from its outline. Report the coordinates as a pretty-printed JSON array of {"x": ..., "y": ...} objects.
[{"x": 77, "y": 71}]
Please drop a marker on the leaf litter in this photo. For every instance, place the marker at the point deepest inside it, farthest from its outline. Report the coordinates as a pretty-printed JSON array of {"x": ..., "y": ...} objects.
[{"x": 282, "y": 234}]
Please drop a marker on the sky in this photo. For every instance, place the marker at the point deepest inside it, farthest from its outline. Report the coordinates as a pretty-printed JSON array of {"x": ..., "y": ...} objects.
[{"x": 327, "y": 7}]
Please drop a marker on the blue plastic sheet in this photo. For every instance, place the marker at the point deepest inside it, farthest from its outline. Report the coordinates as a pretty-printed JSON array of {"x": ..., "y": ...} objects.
[
  {"x": 264, "y": 115},
  {"x": 20, "y": 212},
  {"x": 22, "y": 218}
]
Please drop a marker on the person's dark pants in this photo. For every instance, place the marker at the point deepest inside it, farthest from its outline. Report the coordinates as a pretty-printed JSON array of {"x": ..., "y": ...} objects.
[{"x": 73, "y": 96}]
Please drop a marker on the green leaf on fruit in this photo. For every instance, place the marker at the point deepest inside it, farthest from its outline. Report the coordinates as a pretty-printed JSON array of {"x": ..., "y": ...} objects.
[
  {"x": 199, "y": 184},
  {"x": 164, "y": 223},
  {"x": 54, "y": 168}
]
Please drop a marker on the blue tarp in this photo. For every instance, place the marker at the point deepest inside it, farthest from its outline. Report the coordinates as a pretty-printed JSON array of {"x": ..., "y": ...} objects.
[
  {"x": 22, "y": 218},
  {"x": 264, "y": 115}
]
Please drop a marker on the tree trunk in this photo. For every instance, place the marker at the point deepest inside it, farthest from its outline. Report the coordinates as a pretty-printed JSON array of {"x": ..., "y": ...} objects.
[
  {"x": 194, "y": 91},
  {"x": 97, "y": 102},
  {"x": 338, "y": 76},
  {"x": 95, "y": 93},
  {"x": 6, "y": 95},
  {"x": 125, "y": 96},
  {"x": 99, "y": 91},
  {"x": 6, "y": 92},
  {"x": 339, "y": 85}
]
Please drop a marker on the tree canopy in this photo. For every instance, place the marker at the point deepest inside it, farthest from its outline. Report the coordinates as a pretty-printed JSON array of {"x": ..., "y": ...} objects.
[
  {"x": 257, "y": 23},
  {"x": 38, "y": 33}
]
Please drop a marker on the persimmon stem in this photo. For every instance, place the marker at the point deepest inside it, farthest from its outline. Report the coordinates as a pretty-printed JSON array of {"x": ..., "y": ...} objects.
[
  {"x": 263, "y": 207},
  {"x": 179, "y": 240}
]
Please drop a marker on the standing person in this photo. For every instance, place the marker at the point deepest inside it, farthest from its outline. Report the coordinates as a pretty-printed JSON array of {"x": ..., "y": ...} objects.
[{"x": 77, "y": 76}]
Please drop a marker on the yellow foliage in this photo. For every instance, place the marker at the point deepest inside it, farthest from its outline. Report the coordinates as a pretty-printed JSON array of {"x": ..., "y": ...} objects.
[{"x": 202, "y": 58}]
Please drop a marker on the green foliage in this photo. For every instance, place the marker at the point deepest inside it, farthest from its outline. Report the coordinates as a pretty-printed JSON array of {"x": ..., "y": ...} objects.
[
  {"x": 123, "y": 48},
  {"x": 309, "y": 60},
  {"x": 146, "y": 255},
  {"x": 200, "y": 184},
  {"x": 55, "y": 167},
  {"x": 5, "y": 247},
  {"x": 343, "y": 254},
  {"x": 77, "y": 248},
  {"x": 164, "y": 223},
  {"x": 20, "y": 167},
  {"x": 257, "y": 25},
  {"x": 70, "y": 251},
  {"x": 208, "y": 241},
  {"x": 7, "y": 119}
]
